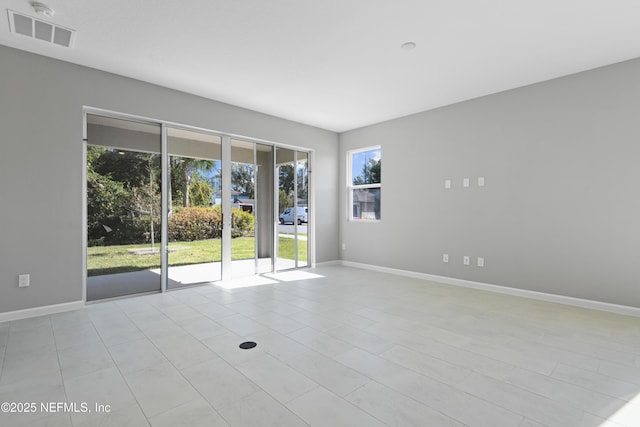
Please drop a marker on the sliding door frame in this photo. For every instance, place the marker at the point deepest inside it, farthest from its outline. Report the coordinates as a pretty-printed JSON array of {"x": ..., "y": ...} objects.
[
  {"x": 226, "y": 208},
  {"x": 164, "y": 231},
  {"x": 226, "y": 193}
]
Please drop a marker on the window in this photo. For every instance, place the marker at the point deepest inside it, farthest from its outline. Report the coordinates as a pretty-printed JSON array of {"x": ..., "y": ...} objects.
[{"x": 364, "y": 183}]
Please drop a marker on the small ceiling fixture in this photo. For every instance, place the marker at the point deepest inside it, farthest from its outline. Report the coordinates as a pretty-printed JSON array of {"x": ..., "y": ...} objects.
[
  {"x": 408, "y": 46},
  {"x": 43, "y": 9}
]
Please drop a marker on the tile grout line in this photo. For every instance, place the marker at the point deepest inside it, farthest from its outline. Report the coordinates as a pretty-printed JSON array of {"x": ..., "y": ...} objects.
[
  {"x": 339, "y": 397},
  {"x": 504, "y": 382},
  {"x": 187, "y": 380},
  {"x": 117, "y": 367},
  {"x": 64, "y": 386},
  {"x": 166, "y": 361},
  {"x": 444, "y": 384},
  {"x": 409, "y": 398}
]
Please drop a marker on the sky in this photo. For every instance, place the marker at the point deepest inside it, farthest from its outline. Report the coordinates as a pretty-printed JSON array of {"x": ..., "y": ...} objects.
[{"x": 359, "y": 159}]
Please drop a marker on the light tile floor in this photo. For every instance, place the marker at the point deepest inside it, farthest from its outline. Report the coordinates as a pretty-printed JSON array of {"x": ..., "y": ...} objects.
[{"x": 337, "y": 346}]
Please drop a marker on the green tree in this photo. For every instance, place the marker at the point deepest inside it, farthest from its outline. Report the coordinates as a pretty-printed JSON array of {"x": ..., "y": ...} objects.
[
  {"x": 286, "y": 177},
  {"x": 200, "y": 191},
  {"x": 108, "y": 201},
  {"x": 303, "y": 181},
  {"x": 123, "y": 196},
  {"x": 371, "y": 171},
  {"x": 147, "y": 200},
  {"x": 242, "y": 179},
  {"x": 182, "y": 172},
  {"x": 128, "y": 167},
  {"x": 284, "y": 200},
  {"x": 375, "y": 170}
]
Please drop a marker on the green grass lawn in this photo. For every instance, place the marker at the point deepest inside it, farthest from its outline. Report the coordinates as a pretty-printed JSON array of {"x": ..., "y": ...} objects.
[
  {"x": 122, "y": 258},
  {"x": 285, "y": 249}
]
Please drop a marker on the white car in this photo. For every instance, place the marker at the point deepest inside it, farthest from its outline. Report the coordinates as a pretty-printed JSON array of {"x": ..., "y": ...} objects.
[{"x": 287, "y": 215}]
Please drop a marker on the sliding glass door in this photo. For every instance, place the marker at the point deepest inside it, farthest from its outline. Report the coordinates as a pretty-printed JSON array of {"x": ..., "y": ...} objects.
[
  {"x": 251, "y": 212},
  {"x": 302, "y": 202},
  {"x": 194, "y": 207},
  {"x": 123, "y": 207},
  {"x": 174, "y": 206},
  {"x": 292, "y": 171}
]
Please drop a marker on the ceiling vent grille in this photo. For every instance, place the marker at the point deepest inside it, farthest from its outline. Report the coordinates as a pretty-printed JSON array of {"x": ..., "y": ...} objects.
[{"x": 41, "y": 30}]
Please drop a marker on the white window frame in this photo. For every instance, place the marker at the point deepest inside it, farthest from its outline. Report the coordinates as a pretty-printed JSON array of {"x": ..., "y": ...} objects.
[{"x": 351, "y": 187}]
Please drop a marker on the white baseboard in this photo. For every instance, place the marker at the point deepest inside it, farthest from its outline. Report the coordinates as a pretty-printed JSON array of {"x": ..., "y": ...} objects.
[
  {"x": 542, "y": 296},
  {"x": 40, "y": 311},
  {"x": 560, "y": 299},
  {"x": 327, "y": 264}
]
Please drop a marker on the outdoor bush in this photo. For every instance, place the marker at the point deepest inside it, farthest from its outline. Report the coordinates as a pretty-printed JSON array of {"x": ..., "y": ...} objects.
[
  {"x": 135, "y": 230},
  {"x": 194, "y": 223},
  {"x": 96, "y": 242},
  {"x": 122, "y": 231},
  {"x": 243, "y": 223},
  {"x": 188, "y": 224}
]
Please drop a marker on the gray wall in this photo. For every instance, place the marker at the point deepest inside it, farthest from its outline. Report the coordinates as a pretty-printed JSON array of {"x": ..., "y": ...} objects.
[
  {"x": 41, "y": 166},
  {"x": 560, "y": 212}
]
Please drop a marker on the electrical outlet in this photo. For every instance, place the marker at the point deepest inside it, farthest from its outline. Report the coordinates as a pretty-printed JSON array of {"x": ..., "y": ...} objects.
[
  {"x": 480, "y": 261},
  {"x": 465, "y": 183},
  {"x": 445, "y": 257},
  {"x": 23, "y": 280},
  {"x": 465, "y": 260},
  {"x": 344, "y": 246}
]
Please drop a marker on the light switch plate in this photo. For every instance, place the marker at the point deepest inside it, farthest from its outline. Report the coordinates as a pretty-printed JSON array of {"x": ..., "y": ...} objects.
[
  {"x": 480, "y": 261},
  {"x": 447, "y": 184},
  {"x": 465, "y": 260},
  {"x": 445, "y": 257},
  {"x": 481, "y": 181},
  {"x": 465, "y": 183},
  {"x": 23, "y": 280}
]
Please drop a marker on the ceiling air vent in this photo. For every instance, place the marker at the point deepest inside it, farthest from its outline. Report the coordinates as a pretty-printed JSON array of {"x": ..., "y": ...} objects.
[{"x": 41, "y": 30}]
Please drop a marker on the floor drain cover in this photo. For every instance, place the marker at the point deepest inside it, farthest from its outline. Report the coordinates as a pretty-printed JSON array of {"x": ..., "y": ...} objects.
[{"x": 247, "y": 345}]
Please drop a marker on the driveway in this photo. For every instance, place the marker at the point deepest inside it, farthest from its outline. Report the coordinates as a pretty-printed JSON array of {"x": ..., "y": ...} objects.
[{"x": 288, "y": 228}]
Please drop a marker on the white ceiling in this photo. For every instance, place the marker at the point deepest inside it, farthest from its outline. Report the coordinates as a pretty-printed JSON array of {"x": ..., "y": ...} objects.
[{"x": 337, "y": 64}]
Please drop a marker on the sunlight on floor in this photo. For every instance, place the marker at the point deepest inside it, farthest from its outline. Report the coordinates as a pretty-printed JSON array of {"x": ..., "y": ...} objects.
[
  {"x": 244, "y": 282},
  {"x": 628, "y": 415},
  {"x": 290, "y": 276},
  {"x": 266, "y": 279}
]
